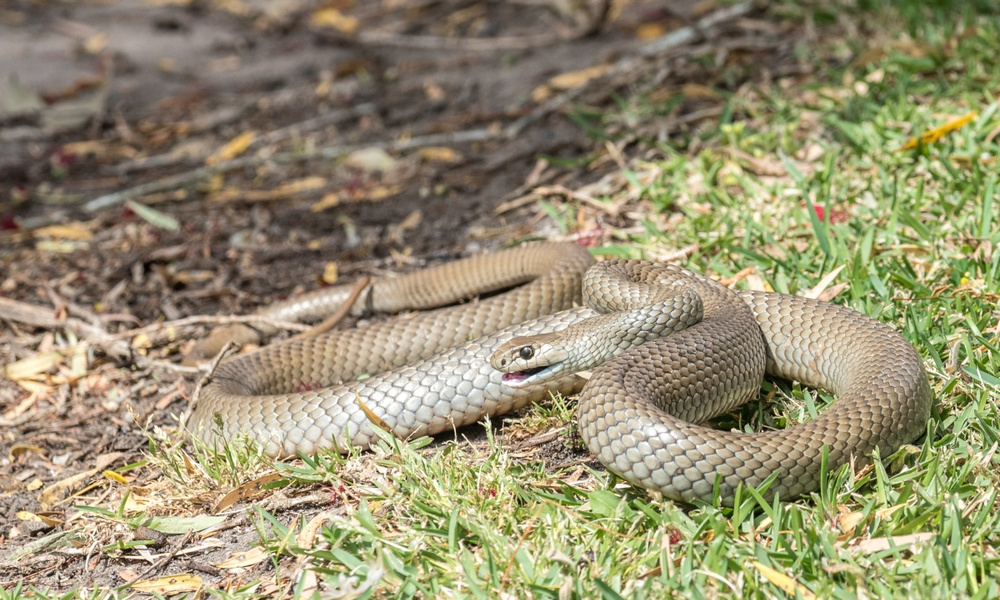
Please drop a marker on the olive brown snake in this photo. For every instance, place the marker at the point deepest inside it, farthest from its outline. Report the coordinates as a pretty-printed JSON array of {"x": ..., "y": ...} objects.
[{"x": 707, "y": 350}]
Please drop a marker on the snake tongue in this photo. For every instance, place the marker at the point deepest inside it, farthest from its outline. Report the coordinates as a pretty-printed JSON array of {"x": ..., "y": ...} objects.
[{"x": 518, "y": 378}]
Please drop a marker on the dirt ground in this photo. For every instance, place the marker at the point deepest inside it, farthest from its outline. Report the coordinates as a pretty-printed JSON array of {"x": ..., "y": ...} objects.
[{"x": 278, "y": 142}]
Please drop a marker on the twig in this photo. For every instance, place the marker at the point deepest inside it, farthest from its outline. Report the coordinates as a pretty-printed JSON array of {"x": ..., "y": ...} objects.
[
  {"x": 670, "y": 41},
  {"x": 338, "y": 316},
  {"x": 330, "y": 152},
  {"x": 589, "y": 26},
  {"x": 465, "y": 44},
  {"x": 38, "y": 316},
  {"x": 226, "y": 350},
  {"x": 691, "y": 33},
  {"x": 174, "y": 158},
  {"x": 166, "y": 558},
  {"x": 612, "y": 210},
  {"x": 212, "y": 319}
]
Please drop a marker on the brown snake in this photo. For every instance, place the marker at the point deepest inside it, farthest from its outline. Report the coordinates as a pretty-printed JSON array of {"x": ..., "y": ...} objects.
[{"x": 706, "y": 349}]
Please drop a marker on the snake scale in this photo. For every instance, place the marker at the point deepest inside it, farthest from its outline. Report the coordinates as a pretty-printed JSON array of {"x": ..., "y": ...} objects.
[{"x": 702, "y": 351}]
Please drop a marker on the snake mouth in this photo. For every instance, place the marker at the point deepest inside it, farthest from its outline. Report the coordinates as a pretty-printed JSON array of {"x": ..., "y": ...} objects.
[{"x": 523, "y": 378}]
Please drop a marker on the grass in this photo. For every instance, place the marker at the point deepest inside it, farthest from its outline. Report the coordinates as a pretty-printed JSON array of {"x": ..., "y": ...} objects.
[{"x": 917, "y": 236}]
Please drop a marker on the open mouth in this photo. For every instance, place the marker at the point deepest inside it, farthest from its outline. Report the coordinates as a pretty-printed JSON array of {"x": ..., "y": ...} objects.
[{"x": 521, "y": 376}]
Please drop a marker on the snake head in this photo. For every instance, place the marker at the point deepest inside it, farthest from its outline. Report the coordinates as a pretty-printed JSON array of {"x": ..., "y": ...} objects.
[{"x": 529, "y": 360}]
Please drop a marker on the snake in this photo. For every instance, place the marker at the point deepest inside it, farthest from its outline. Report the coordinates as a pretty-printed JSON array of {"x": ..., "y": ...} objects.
[{"x": 667, "y": 351}]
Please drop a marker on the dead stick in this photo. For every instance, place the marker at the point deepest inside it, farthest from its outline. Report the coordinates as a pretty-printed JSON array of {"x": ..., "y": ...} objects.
[
  {"x": 338, "y": 316},
  {"x": 201, "y": 173}
]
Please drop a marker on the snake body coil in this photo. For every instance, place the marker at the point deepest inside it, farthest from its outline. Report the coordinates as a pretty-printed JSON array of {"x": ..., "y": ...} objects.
[{"x": 637, "y": 412}]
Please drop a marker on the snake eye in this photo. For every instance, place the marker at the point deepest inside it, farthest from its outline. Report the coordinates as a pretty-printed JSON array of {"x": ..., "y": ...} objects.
[{"x": 526, "y": 353}]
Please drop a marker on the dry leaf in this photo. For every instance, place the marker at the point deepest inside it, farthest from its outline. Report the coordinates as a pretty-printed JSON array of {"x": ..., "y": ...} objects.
[
  {"x": 334, "y": 19},
  {"x": 371, "y": 160},
  {"x": 331, "y": 272},
  {"x": 372, "y": 417},
  {"x": 849, "y": 522},
  {"x": 51, "y": 495},
  {"x": 18, "y": 450},
  {"x": 832, "y": 292},
  {"x": 169, "y": 585},
  {"x": 697, "y": 91},
  {"x": 885, "y": 543},
  {"x": 939, "y": 132},
  {"x": 439, "y": 154},
  {"x": 574, "y": 79},
  {"x": 250, "y": 489},
  {"x": 33, "y": 366},
  {"x": 412, "y": 221},
  {"x": 96, "y": 44},
  {"x": 244, "y": 559},
  {"x": 329, "y": 201},
  {"x": 73, "y": 231},
  {"x": 307, "y": 537},
  {"x": 786, "y": 583},
  {"x": 382, "y": 192},
  {"x": 296, "y": 186},
  {"x": 650, "y": 31},
  {"x": 819, "y": 288},
  {"x": 58, "y": 247},
  {"x": 233, "y": 148},
  {"x": 49, "y": 520},
  {"x": 567, "y": 81},
  {"x": 433, "y": 91}
]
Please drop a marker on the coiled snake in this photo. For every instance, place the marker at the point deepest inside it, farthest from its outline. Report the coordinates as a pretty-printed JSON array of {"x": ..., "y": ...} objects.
[{"x": 705, "y": 350}]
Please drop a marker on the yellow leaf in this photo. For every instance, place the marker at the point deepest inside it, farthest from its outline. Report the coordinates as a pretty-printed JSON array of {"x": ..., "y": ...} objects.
[
  {"x": 233, "y": 148},
  {"x": 786, "y": 583},
  {"x": 939, "y": 132},
  {"x": 333, "y": 18},
  {"x": 115, "y": 477},
  {"x": 372, "y": 417}
]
